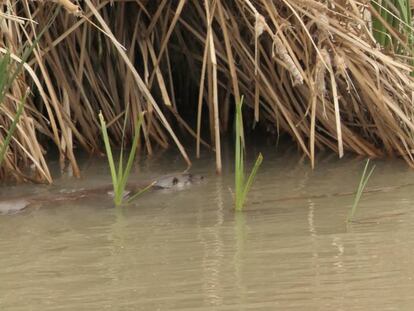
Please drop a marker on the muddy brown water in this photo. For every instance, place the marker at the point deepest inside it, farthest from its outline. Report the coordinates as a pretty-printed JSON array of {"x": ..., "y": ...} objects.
[{"x": 188, "y": 250}]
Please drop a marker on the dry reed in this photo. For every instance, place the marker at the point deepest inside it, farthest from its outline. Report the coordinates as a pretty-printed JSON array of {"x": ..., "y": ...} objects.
[{"x": 306, "y": 68}]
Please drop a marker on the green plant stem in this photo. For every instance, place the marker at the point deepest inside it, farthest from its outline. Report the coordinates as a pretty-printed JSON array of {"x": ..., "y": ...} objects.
[
  {"x": 120, "y": 174},
  {"x": 109, "y": 153},
  {"x": 361, "y": 186},
  {"x": 252, "y": 176},
  {"x": 140, "y": 192},
  {"x": 241, "y": 187}
]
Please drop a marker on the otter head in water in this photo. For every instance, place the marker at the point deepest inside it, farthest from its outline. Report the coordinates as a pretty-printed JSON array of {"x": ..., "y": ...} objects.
[{"x": 178, "y": 181}]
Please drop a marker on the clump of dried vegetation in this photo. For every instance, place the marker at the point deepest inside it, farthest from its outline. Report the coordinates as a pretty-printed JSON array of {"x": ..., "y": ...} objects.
[{"x": 311, "y": 69}]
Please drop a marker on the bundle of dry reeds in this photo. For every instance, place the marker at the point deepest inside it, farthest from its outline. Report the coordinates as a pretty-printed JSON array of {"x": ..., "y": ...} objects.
[{"x": 307, "y": 68}]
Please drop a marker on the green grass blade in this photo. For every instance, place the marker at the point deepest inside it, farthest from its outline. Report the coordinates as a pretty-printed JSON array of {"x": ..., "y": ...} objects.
[
  {"x": 12, "y": 128},
  {"x": 242, "y": 188},
  {"x": 251, "y": 178},
  {"x": 361, "y": 186},
  {"x": 121, "y": 155},
  {"x": 402, "y": 9},
  {"x": 109, "y": 152},
  {"x": 239, "y": 168},
  {"x": 397, "y": 15},
  {"x": 4, "y": 74},
  {"x": 237, "y": 154},
  {"x": 121, "y": 164},
  {"x": 378, "y": 29},
  {"x": 120, "y": 175},
  {"x": 142, "y": 191},
  {"x": 132, "y": 153}
]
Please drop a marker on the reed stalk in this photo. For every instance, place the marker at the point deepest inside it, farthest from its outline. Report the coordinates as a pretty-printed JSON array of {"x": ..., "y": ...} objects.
[
  {"x": 242, "y": 188},
  {"x": 361, "y": 186},
  {"x": 119, "y": 173},
  {"x": 310, "y": 70}
]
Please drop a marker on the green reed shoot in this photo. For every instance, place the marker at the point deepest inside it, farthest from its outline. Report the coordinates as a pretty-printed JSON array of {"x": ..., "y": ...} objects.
[
  {"x": 396, "y": 15},
  {"x": 361, "y": 186},
  {"x": 242, "y": 187},
  {"x": 119, "y": 173}
]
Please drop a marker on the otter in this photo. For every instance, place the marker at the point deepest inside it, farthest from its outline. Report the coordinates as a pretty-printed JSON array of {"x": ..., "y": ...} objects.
[
  {"x": 168, "y": 182},
  {"x": 178, "y": 181}
]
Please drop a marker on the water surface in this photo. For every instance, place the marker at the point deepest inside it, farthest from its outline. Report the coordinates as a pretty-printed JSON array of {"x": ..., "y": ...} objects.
[{"x": 290, "y": 250}]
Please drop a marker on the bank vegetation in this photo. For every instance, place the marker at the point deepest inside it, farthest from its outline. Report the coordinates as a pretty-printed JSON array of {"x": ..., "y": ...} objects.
[{"x": 313, "y": 70}]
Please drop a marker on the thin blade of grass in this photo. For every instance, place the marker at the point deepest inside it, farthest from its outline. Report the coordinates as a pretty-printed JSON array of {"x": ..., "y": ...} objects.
[
  {"x": 142, "y": 191},
  {"x": 361, "y": 186},
  {"x": 132, "y": 153},
  {"x": 12, "y": 128},
  {"x": 4, "y": 74},
  {"x": 239, "y": 173},
  {"x": 242, "y": 188},
  {"x": 251, "y": 177},
  {"x": 121, "y": 155},
  {"x": 109, "y": 152}
]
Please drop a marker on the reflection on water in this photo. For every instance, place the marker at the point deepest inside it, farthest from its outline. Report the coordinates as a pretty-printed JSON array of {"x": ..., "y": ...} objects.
[{"x": 189, "y": 250}]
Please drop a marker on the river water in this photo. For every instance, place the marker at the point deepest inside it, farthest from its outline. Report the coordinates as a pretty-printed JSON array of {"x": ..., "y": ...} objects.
[{"x": 188, "y": 250}]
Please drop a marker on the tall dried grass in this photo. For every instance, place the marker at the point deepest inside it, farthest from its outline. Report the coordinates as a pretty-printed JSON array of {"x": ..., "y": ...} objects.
[{"x": 309, "y": 69}]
